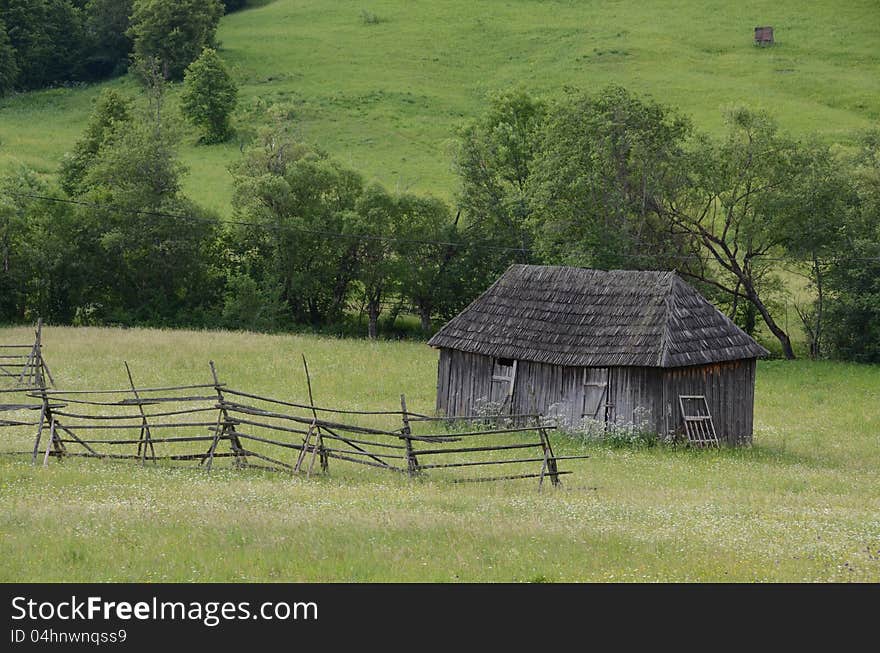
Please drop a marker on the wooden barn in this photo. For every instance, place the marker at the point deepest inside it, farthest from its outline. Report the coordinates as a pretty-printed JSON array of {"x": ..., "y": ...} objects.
[{"x": 621, "y": 347}]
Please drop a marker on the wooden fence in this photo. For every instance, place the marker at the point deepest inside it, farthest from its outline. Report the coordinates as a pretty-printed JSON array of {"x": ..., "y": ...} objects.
[
  {"x": 23, "y": 369},
  {"x": 200, "y": 423}
]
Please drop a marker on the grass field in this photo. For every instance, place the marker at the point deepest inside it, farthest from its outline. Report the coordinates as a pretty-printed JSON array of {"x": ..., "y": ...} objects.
[
  {"x": 386, "y": 97},
  {"x": 802, "y": 504}
]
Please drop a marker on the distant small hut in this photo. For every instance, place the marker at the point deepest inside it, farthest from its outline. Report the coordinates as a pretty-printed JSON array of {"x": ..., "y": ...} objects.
[
  {"x": 764, "y": 35},
  {"x": 619, "y": 347}
]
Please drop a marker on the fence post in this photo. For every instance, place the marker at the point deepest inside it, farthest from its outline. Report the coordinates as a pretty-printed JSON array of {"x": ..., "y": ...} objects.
[
  {"x": 234, "y": 442},
  {"x": 43, "y": 415},
  {"x": 45, "y": 410},
  {"x": 319, "y": 437},
  {"x": 146, "y": 438},
  {"x": 549, "y": 465},
  {"x": 305, "y": 447},
  {"x": 412, "y": 463},
  {"x": 43, "y": 366}
]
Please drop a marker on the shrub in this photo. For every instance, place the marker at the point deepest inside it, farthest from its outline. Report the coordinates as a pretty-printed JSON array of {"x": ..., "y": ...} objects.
[{"x": 209, "y": 96}]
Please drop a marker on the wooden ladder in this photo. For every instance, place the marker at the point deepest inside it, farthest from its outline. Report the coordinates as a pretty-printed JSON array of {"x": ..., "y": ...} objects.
[{"x": 699, "y": 427}]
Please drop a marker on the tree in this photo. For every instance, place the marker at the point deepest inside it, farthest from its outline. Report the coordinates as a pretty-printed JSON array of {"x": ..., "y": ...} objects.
[
  {"x": 150, "y": 249},
  {"x": 376, "y": 223},
  {"x": 111, "y": 113},
  {"x": 247, "y": 306},
  {"x": 853, "y": 280},
  {"x": 730, "y": 199},
  {"x": 604, "y": 163},
  {"x": 48, "y": 39},
  {"x": 302, "y": 206},
  {"x": 16, "y": 266},
  {"x": 107, "y": 24},
  {"x": 209, "y": 96},
  {"x": 8, "y": 66},
  {"x": 815, "y": 223},
  {"x": 429, "y": 247},
  {"x": 494, "y": 163},
  {"x": 39, "y": 273},
  {"x": 173, "y": 31}
]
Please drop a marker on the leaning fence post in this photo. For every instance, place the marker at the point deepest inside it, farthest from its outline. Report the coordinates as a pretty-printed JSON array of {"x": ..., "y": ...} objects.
[
  {"x": 220, "y": 429},
  {"x": 40, "y": 428},
  {"x": 412, "y": 463},
  {"x": 45, "y": 410},
  {"x": 146, "y": 437},
  {"x": 549, "y": 465},
  {"x": 52, "y": 443},
  {"x": 228, "y": 426},
  {"x": 318, "y": 447}
]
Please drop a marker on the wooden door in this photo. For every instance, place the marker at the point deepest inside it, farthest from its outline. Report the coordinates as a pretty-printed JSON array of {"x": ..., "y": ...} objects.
[
  {"x": 596, "y": 393},
  {"x": 503, "y": 379}
]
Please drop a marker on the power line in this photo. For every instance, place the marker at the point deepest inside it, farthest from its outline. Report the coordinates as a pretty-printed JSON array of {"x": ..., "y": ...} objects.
[{"x": 389, "y": 239}]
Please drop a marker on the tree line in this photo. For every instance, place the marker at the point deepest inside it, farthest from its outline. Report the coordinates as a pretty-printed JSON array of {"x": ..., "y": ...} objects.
[
  {"x": 604, "y": 179},
  {"x": 614, "y": 180},
  {"x": 51, "y": 42}
]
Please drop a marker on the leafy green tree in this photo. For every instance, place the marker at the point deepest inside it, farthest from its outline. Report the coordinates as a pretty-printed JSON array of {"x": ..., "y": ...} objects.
[
  {"x": 39, "y": 274},
  {"x": 302, "y": 205},
  {"x": 174, "y": 31},
  {"x": 8, "y": 66},
  {"x": 209, "y": 96},
  {"x": 150, "y": 248},
  {"x": 48, "y": 39},
  {"x": 16, "y": 266},
  {"x": 605, "y": 160},
  {"x": 429, "y": 247},
  {"x": 815, "y": 221},
  {"x": 732, "y": 201},
  {"x": 376, "y": 218},
  {"x": 853, "y": 281},
  {"x": 494, "y": 163},
  {"x": 106, "y": 24},
  {"x": 247, "y": 306},
  {"x": 111, "y": 114}
]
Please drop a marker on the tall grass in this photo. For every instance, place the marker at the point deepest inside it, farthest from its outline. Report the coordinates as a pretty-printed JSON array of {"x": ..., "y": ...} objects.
[{"x": 802, "y": 504}]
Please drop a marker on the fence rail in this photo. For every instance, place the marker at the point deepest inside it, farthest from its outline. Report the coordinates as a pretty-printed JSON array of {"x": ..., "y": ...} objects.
[{"x": 201, "y": 422}]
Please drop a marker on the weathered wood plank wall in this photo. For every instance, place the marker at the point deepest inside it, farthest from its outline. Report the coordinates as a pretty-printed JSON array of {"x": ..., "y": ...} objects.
[
  {"x": 549, "y": 390},
  {"x": 636, "y": 397},
  {"x": 463, "y": 381},
  {"x": 644, "y": 396},
  {"x": 729, "y": 388}
]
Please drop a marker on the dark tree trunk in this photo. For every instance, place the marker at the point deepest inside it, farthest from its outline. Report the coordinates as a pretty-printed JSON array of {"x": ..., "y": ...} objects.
[
  {"x": 425, "y": 317},
  {"x": 751, "y": 321},
  {"x": 816, "y": 343},
  {"x": 373, "y": 309},
  {"x": 777, "y": 331}
]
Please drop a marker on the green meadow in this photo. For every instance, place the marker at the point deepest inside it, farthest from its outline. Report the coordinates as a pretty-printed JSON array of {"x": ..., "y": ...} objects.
[
  {"x": 802, "y": 504},
  {"x": 383, "y": 85}
]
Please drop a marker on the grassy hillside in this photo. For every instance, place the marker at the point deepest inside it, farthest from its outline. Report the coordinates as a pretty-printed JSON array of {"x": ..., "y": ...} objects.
[
  {"x": 386, "y": 96},
  {"x": 803, "y": 504}
]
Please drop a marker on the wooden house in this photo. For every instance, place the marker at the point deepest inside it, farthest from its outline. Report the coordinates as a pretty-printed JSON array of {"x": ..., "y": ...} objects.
[{"x": 620, "y": 347}]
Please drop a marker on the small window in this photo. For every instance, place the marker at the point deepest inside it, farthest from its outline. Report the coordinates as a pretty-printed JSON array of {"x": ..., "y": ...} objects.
[{"x": 503, "y": 369}]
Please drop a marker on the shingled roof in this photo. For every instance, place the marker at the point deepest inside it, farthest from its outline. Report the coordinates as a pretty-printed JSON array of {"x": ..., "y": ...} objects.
[{"x": 596, "y": 318}]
